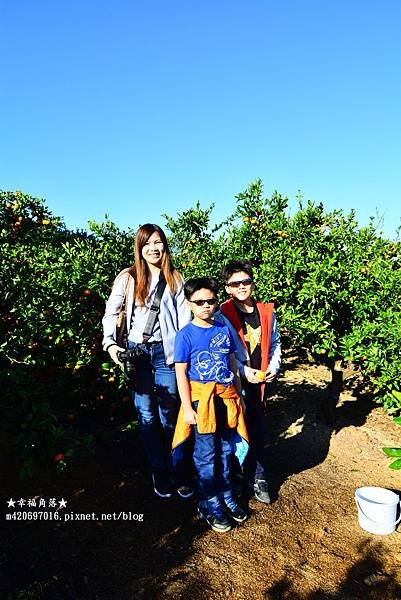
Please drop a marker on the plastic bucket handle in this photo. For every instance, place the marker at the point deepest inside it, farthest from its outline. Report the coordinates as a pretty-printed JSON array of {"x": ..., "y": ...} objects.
[{"x": 378, "y": 522}]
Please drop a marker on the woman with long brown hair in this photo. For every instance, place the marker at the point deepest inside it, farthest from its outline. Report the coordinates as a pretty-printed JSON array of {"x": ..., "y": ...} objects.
[{"x": 155, "y": 397}]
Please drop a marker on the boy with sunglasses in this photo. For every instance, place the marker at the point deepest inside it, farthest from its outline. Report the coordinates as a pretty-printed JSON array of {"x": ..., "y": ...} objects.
[
  {"x": 254, "y": 328},
  {"x": 208, "y": 383}
]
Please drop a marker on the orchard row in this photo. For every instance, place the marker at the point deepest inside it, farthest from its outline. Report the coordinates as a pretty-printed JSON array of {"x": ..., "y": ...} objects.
[{"x": 336, "y": 287}]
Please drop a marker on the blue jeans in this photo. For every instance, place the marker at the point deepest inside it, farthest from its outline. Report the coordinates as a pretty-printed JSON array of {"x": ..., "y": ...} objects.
[
  {"x": 212, "y": 455},
  {"x": 157, "y": 404}
]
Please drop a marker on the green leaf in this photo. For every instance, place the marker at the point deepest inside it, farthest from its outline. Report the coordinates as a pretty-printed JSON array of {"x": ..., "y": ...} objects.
[
  {"x": 396, "y": 464},
  {"x": 392, "y": 451},
  {"x": 397, "y": 420}
]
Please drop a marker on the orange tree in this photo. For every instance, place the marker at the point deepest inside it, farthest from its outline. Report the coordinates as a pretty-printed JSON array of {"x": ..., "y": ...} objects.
[
  {"x": 54, "y": 283},
  {"x": 336, "y": 286},
  {"x": 195, "y": 246}
]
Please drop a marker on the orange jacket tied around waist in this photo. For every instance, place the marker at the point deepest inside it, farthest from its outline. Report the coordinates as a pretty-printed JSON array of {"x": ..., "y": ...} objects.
[{"x": 204, "y": 393}]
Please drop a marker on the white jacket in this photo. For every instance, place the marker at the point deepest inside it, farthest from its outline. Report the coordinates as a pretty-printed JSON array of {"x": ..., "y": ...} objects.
[{"x": 174, "y": 313}]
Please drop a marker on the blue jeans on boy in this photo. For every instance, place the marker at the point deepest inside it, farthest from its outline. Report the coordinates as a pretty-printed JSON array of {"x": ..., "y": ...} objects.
[
  {"x": 212, "y": 456},
  {"x": 157, "y": 404}
]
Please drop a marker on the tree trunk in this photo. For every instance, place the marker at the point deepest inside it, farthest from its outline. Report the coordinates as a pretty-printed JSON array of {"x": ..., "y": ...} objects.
[{"x": 334, "y": 390}]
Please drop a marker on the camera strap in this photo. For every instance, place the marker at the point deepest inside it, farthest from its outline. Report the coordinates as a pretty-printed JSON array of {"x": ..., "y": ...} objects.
[{"x": 154, "y": 309}]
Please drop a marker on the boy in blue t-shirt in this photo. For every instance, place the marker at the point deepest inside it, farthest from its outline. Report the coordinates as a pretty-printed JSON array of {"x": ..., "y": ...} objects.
[{"x": 206, "y": 370}]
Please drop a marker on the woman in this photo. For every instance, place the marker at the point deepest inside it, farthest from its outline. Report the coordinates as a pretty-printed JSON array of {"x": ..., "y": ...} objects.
[{"x": 155, "y": 396}]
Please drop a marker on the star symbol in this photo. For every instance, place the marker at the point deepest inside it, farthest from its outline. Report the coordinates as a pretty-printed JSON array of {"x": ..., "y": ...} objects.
[
  {"x": 11, "y": 503},
  {"x": 253, "y": 336},
  {"x": 62, "y": 503}
]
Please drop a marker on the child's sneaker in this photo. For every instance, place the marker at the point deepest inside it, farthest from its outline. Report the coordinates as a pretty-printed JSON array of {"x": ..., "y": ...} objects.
[
  {"x": 261, "y": 491},
  {"x": 234, "y": 510},
  {"x": 212, "y": 512},
  {"x": 162, "y": 485},
  {"x": 185, "y": 491}
]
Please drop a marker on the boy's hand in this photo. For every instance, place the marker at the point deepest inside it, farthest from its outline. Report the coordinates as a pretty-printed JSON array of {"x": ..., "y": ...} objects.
[
  {"x": 270, "y": 375},
  {"x": 256, "y": 376},
  {"x": 250, "y": 374},
  {"x": 190, "y": 416}
]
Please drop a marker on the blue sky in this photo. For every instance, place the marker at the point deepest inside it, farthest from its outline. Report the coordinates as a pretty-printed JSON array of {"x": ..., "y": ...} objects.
[{"x": 135, "y": 108}]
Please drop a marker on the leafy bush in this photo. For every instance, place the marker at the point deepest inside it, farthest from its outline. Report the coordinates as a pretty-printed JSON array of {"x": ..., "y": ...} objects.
[
  {"x": 395, "y": 452},
  {"x": 336, "y": 288},
  {"x": 54, "y": 284}
]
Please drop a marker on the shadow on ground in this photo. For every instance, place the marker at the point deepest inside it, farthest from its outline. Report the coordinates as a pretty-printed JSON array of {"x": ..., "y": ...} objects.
[
  {"x": 365, "y": 580},
  {"x": 96, "y": 559},
  {"x": 298, "y": 432},
  {"x": 129, "y": 559}
]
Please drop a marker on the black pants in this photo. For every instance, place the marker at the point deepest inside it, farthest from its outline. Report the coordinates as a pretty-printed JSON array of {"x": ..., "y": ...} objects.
[{"x": 255, "y": 418}]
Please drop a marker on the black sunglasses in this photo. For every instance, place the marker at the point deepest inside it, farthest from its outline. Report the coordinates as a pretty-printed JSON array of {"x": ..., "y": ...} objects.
[
  {"x": 236, "y": 284},
  {"x": 209, "y": 301}
]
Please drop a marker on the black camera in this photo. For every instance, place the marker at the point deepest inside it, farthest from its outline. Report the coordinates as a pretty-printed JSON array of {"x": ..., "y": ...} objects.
[{"x": 130, "y": 358}]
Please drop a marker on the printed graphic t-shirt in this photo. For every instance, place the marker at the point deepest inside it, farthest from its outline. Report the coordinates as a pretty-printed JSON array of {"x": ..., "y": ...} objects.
[
  {"x": 252, "y": 333},
  {"x": 207, "y": 351}
]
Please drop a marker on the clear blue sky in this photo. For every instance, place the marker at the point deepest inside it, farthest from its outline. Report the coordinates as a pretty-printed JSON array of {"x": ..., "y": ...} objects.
[{"x": 138, "y": 108}]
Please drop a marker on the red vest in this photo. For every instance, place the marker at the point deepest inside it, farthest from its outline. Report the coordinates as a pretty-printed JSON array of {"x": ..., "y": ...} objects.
[{"x": 266, "y": 319}]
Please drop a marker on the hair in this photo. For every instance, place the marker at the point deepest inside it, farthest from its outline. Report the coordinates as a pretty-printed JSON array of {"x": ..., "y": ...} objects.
[
  {"x": 199, "y": 283},
  {"x": 236, "y": 266},
  {"x": 141, "y": 270}
]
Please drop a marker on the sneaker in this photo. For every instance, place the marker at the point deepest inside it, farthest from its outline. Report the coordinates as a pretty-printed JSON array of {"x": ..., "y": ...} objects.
[
  {"x": 212, "y": 512},
  {"x": 261, "y": 491},
  {"x": 162, "y": 485},
  {"x": 234, "y": 510},
  {"x": 185, "y": 491}
]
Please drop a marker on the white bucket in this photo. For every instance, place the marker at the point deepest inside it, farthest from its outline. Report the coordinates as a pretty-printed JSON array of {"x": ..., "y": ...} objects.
[{"x": 377, "y": 509}]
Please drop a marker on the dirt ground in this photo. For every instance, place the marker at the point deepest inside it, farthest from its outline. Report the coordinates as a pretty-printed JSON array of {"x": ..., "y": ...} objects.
[{"x": 306, "y": 545}]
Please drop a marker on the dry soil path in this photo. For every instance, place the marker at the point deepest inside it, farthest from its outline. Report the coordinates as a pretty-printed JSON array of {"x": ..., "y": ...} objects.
[{"x": 306, "y": 545}]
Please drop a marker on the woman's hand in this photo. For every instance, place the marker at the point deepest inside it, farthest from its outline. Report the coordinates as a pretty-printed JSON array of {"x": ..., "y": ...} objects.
[{"x": 113, "y": 351}]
